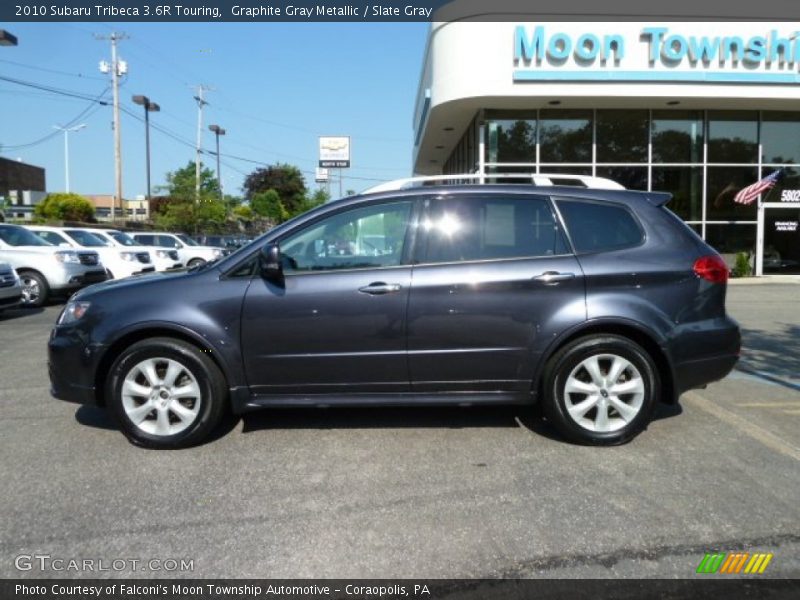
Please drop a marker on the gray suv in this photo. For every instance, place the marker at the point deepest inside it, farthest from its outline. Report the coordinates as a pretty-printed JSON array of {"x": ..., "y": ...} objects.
[{"x": 597, "y": 304}]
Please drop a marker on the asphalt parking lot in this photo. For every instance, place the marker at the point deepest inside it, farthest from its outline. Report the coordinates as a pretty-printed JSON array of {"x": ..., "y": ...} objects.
[{"x": 413, "y": 492}]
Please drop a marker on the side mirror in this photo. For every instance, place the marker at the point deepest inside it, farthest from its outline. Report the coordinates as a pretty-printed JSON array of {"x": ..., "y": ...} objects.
[{"x": 270, "y": 259}]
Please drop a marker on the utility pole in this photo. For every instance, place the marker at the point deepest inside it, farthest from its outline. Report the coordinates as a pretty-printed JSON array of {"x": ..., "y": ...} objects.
[
  {"x": 67, "y": 131},
  {"x": 117, "y": 68},
  {"x": 201, "y": 102}
]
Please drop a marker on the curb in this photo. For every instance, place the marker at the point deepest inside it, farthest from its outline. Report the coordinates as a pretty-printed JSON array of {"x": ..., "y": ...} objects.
[{"x": 775, "y": 280}]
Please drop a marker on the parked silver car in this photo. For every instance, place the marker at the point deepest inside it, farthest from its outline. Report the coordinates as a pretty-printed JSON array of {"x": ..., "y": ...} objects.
[
  {"x": 10, "y": 287},
  {"x": 45, "y": 269}
]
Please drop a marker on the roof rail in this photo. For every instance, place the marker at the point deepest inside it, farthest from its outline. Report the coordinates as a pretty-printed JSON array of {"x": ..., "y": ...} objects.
[{"x": 541, "y": 179}]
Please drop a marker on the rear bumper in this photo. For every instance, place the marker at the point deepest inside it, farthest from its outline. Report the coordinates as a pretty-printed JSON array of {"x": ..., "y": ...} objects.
[
  {"x": 704, "y": 352},
  {"x": 11, "y": 301}
]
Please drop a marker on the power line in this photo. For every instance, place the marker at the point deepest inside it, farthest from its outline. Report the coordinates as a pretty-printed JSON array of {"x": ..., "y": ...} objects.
[
  {"x": 87, "y": 112},
  {"x": 46, "y": 70},
  {"x": 53, "y": 90}
]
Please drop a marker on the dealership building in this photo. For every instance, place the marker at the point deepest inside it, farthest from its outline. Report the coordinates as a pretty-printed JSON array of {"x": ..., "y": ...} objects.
[{"x": 700, "y": 110}]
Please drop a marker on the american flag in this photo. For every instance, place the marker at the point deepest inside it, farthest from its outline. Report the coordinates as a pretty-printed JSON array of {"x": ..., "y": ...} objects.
[{"x": 751, "y": 192}]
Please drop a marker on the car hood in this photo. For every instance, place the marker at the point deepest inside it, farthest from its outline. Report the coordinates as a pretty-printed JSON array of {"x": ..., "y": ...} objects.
[{"x": 113, "y": 285}]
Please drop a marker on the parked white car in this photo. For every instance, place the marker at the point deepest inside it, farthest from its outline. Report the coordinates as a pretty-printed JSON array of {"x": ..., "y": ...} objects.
[
  {"x": 10, "y": 287},
  {"x": 118, "y": 264},
  {"x": 190, "y": 252},
  {"x": 163, "y": 259},
  {"x": 45, "y": 269}
]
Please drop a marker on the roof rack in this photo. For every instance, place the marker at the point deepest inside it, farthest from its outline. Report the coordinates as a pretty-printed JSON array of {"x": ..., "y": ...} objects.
[{"x": 541, "y": 179}]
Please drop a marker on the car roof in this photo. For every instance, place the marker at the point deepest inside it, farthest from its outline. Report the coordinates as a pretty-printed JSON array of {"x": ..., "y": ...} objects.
[{"x": 632, "y": 196}]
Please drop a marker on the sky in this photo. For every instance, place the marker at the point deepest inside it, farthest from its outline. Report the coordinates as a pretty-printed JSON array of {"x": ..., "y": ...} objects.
[{"x": 275, "y": 88}]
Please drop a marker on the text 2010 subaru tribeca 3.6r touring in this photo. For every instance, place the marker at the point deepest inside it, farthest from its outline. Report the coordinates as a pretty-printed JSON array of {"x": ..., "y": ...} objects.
[{"x": 596, "y": 303}]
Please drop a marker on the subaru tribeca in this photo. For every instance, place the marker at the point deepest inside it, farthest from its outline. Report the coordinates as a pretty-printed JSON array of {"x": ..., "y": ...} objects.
[{"x": 596, "y": 303}]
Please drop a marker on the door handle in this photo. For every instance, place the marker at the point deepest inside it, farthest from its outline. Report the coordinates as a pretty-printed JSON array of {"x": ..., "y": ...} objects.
[
  {"x": 553, "y": 277},
  {"x": 378, "y": 288}
]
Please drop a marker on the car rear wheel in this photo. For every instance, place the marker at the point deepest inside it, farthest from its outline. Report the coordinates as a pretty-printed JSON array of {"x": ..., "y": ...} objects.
[
  {"x": 166, "y": 393},
  {"x": 601, "y": 390},
  {"x": 35, "y": 290}
]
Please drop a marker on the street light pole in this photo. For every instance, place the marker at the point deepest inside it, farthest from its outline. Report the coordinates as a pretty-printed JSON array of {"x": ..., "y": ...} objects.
[
  {"x": 218, "y": 131},
  {"x": 148, "y": 108},
  {"x": 66, "y": 131}
]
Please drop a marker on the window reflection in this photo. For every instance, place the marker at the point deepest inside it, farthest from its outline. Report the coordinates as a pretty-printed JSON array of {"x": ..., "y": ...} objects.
[
  {"x": 677, "y": 136},
  {"x": 622, "y": 136},
  {"x": 721, "y": 188},
  {"x": 685, "y": 185},
  {"x": 732, "y": 137},
  {"x": 780, "y": 137},
  {"x": 470, "y": 229},
  {"x": 566, "y": 135}
]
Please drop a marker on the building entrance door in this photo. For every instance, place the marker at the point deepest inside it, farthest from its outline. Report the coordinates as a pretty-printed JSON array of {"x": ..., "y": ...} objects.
[{"x": 781, "y": 251}]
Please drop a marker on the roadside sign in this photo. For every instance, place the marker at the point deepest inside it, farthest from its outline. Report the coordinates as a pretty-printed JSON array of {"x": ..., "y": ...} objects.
[{"x": 334, "y": 152}]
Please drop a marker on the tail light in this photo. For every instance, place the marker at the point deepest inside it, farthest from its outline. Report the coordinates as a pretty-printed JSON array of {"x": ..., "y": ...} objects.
[{"x": 711, "y": 268}]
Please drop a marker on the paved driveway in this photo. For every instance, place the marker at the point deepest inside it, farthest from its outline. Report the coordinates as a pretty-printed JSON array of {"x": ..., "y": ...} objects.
[{"x": 414, "y": 492}]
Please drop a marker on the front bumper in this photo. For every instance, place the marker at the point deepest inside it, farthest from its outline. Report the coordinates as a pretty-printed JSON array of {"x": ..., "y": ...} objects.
[
  {"x": 82, "y": 279},
  {"x": 70, "y": 364},
  {"x": 10, "y": 301}
]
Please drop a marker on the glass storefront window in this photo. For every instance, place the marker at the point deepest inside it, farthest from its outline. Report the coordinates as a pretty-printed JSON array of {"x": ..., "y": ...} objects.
[
  {"x": 722, "y": 185},
  {"x": 732, "y": 137},
  {"x": 511, "y": 141},
  {"x": 565, "y": 136},
  {"x": 633, "y": 178},
  {"x": 780, "y": 137},
  {"x": 686, "y": 186},
  {"x": 622, "y": 136},
  {"x": 677, "y": 136},
  {"x": 730, "y": 239}
]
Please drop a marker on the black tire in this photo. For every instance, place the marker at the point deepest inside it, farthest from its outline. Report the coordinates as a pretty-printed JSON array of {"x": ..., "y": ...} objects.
[
  {"x": 616, "y": 428},
  {"x": 196, "y": 262},
  {"x": 35, "y": 290},
  {"x": 208, "y": 379}
]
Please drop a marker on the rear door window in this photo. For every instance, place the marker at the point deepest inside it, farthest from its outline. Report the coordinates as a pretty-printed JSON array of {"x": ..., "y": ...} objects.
[
  {"x": 599, "y": 226},
  {"x": 474, "y": 228}
]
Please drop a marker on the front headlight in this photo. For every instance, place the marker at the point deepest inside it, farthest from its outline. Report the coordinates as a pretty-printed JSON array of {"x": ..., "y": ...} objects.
[
  {"x": 129, "y": 256},
  {"x": 217, "y": 252},
  {"x": 73, "y": 312},
  {"x": 67, "y": 256},
  {"x": 162, "y": 253}
]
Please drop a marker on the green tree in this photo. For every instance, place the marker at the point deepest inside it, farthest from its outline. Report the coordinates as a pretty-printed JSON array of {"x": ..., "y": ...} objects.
[
  {"x": 286, "y": 180},
  {"x": 181, "y": 183},
  {"x": 268, "y": 204},
  {"x": 181, "y": 210},
  {"x": 65, "y": 207},
  {"x": 243, "y": 212}
]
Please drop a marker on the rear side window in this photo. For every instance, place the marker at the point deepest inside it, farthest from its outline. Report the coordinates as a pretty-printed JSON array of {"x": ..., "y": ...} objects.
[
  {"x": 145, "y": 240},
  {"x": 468, "y": 228},
  {"x": 595, "y": 227}
]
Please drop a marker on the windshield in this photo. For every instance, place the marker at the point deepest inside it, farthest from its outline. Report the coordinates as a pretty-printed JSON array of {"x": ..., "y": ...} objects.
[
  {"x": 84, "y": 238},
  {"x": 186, "y": 239},
  {"x": 17, "y": 236},
  {"x": 123, "y": 238}
]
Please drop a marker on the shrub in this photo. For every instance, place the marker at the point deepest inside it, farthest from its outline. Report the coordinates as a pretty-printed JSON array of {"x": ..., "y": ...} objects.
[{"x": 741, "y": 267}]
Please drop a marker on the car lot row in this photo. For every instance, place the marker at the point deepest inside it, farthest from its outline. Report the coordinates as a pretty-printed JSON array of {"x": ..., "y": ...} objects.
[{"x": 38, "y": 262}]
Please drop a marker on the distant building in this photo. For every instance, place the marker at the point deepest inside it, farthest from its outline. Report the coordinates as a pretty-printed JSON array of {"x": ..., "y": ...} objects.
[
  {"x": 22, "y": 186},
  {"x": 138, "y": 209}
]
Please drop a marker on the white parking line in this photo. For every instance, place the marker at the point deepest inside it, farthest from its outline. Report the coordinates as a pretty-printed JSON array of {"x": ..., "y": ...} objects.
[{"x": 754, "y": 431}]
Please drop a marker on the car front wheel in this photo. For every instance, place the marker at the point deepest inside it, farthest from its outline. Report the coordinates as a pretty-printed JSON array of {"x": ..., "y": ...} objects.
[
  {"x": 601, "y": 390},
  {"x": 166, "y": 393},
  {"x": 35, "y": 290}
]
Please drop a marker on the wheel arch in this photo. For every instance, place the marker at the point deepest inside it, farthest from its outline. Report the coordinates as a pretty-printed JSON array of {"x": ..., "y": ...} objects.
[
  {"x": 647, "y": 339},
  {"x": 151, "y": 331}
]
